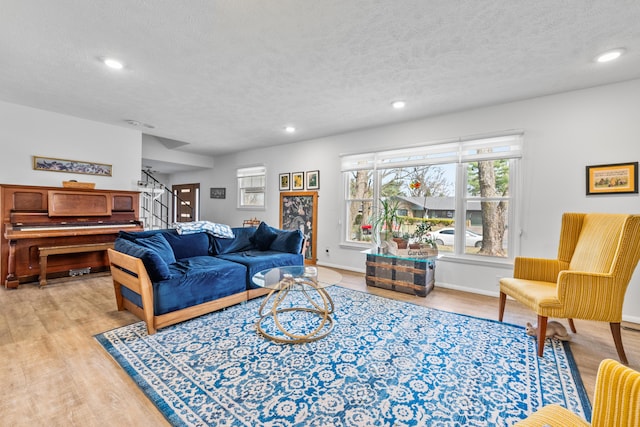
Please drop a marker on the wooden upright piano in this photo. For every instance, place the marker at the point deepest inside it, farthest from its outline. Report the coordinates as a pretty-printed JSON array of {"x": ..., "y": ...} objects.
[{"x": 36, "y": 217}]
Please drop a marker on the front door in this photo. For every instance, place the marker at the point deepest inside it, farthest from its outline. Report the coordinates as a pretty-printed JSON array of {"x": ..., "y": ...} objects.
[{"x": 185, "y": 202}]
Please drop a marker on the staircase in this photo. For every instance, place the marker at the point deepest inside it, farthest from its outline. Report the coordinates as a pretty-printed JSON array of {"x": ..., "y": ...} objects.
[{"x": 155, "y": 202}]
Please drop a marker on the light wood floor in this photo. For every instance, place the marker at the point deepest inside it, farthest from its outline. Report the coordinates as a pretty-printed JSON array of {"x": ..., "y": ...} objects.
[{"x": 54, "y": 373}]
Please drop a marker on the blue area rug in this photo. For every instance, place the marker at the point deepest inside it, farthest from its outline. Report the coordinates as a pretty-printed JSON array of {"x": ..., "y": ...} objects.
[{"x": 386, "y": 363}]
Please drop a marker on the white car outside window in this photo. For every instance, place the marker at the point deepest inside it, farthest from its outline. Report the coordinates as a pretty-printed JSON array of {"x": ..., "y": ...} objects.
[{"x": 446, "y": 237}]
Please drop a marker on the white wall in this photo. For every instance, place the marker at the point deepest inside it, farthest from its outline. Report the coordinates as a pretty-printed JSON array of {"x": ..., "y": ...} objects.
[
  {"x": 563, "y": 134},
  {"x": 154, "y": 149},
  {"x": 25, "y": 132}
]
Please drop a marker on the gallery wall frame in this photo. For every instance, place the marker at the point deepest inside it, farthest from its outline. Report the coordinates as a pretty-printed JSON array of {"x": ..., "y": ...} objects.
[
  {"x": 284, "y": 179},
  {"x": 53, "y": 164},
  {"x": 313, "y": 180},
  {"x": 299, "y": 211},
  {"x": 297, "y": 180},
  {"x": 616, "y": 178}
]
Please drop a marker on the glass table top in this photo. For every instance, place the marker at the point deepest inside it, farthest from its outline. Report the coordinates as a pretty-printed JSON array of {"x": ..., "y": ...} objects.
[{"x": 303, "y": 276}]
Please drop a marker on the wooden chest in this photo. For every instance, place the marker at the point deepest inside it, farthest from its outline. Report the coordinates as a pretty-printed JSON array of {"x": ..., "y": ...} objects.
[{"x": 408, "y": 275}]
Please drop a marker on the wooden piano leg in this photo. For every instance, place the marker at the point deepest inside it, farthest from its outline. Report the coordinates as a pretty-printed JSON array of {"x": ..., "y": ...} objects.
[
  {"x": 43, "y": 270},
  {"x": 11, "y": 280}
]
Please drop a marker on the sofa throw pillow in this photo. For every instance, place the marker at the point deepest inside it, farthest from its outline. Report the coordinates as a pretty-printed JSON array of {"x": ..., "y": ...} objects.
[
  {"x": 213, "y": 228},
  {"x": 289, "y": 241},
  {"x": 158, "y": 243},
  {"x": 263, "y": 237},
  {"x": 154, "y": 264},
  {"x": 189, "y": 245}
]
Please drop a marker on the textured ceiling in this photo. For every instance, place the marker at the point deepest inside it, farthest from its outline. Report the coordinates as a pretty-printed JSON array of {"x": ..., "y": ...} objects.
[{"x": 220, "y": 76}]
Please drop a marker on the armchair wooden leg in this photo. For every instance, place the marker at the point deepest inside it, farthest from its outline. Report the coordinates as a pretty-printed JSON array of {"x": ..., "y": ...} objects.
[
  {"x": 503, "y": 300},
  {"x": 572, "y": 326},
  {"x": 542, "y": 332},
  {"x": 617, "y": 338}
]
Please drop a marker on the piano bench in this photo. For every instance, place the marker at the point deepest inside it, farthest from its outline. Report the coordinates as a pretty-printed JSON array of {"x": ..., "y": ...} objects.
[{"x": 45, "y": 251}]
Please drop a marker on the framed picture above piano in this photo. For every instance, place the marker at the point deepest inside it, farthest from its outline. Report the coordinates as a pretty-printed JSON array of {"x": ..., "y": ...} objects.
[{"x": 71, "y": 166}]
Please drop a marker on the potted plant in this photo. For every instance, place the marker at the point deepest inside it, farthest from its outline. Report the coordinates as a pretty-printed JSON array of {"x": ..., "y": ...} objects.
[
  {"x": 386, "y": 220},
  {"x": 422, "y": 241}
]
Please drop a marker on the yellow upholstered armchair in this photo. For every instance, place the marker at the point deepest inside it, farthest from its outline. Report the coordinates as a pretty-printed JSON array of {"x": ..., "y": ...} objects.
[
  {"x": 596, "y": 258},
  {"x": 616, "y": 402}
]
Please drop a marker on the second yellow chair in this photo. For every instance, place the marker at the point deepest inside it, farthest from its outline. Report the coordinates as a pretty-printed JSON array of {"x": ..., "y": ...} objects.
[{"x": 616, "y": 402}]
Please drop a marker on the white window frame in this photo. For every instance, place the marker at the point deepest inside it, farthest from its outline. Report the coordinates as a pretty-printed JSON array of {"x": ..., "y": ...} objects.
[
  {"x": 252, "y": 180},
  {"x": 461, "y": 151},
  {"x": 348, "y": 201}
]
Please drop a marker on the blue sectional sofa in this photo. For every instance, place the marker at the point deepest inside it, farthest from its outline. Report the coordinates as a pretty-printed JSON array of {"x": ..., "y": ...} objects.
[{"x": 165, "y": 277}]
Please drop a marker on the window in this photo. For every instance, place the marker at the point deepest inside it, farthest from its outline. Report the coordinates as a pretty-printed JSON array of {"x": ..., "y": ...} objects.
[
  {"x": 359, "y": 204},
  {"x": 251, "y": 187},
  {"x": 463, "y": 189}
]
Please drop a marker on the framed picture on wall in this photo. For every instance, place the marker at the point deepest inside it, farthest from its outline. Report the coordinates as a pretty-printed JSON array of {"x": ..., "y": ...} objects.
[
  {"x": 313, "y": 180},
  {"x": 217, "y": 193},
  {"x": 297, "y": 181},
  {"x": 284, "y": 181},
  {"x": 619, "y": 178},
  {"x": 299, "y": 211},
  {"x": 71, "y": 166}
]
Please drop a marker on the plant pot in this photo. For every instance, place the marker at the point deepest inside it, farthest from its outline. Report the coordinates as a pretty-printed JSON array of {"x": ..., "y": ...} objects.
[{"x": 402, "y": 243}]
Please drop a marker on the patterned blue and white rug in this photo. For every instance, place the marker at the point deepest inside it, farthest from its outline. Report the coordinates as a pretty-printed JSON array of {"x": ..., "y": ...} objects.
[{"x": 386, "y": 363}]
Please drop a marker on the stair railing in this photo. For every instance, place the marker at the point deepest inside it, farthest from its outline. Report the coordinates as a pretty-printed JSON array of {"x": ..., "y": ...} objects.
[{"x": 156, "y": 202}]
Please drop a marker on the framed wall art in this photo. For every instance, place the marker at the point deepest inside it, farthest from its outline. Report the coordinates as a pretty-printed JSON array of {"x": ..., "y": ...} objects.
[
  {"x": 618, "y": 178},
  {"x": 299, "y": 211},
  {"x": 313, "y": 180},
  {"x": 284, "y": 181},
  {"x": 297, "y": 181},
  {"x": 71, "y": 166},
  {"x": 218, "y": 193}
]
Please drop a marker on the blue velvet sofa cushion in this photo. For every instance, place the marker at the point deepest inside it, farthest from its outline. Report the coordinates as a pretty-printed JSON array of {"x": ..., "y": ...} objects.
[
  {"x": 256, "y": 260},
  {"x": 287, "y": 241},
  {"x": 156, "y": 267},
  {"x": 184, "y": 246},
  {"x": 158, "y": 243},
  {"x": 132, "y": 236},
  {"x": 263, "y": 237},
  {"x": 194, "y": 281},
  {"x": 242, "y": 241},
  {"x": 190, "y": 245}
]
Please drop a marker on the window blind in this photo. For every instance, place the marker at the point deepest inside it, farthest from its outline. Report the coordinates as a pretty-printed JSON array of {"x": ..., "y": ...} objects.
[{"x": 507, "y": 146}]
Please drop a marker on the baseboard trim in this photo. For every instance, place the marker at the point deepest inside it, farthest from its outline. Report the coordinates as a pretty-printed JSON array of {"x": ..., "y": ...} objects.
[{"x": 341, "y": 267}]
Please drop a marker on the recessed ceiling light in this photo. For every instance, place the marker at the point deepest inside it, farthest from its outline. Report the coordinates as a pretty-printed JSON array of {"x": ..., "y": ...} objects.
[
  {"x": 398, "y": 105},
  {"x": 113, "y": 63},
  {"x": 609, "y": 55},
  {"x": 289, "y": 129}
]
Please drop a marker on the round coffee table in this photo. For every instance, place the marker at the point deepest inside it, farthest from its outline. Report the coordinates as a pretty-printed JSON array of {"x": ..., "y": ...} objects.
[{"x": 308, "y": 284}]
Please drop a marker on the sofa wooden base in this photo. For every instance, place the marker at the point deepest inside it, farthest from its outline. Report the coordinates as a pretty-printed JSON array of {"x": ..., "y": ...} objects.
[{"x": 164, "y": 320}]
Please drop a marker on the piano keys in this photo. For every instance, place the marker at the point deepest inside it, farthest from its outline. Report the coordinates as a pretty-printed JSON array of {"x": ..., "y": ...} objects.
[{"x": 34, "y": 217}]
